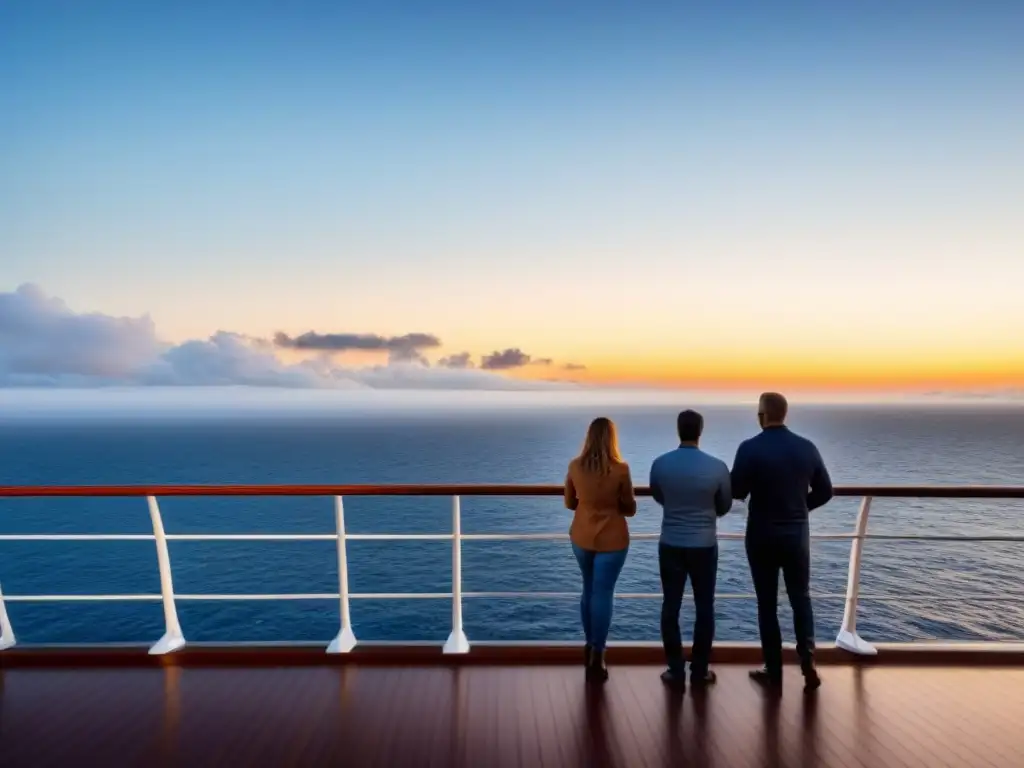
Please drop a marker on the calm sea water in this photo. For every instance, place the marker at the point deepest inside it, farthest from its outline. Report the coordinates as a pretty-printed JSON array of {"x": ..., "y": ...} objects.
[{"x": 912, "y": 590}]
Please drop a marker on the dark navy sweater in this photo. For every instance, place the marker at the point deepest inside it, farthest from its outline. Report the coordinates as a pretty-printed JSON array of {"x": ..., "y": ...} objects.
[{"x": 785, "y": 478}]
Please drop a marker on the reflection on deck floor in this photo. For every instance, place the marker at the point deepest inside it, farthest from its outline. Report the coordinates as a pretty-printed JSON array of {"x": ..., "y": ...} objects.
[{"x": 497, "y": 716}]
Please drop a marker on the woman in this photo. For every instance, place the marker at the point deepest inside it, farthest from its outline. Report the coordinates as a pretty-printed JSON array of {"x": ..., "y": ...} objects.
[{"x": 599, "y": 490}]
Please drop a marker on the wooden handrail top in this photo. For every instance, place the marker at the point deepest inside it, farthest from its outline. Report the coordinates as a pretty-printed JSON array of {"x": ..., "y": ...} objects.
[{"x": 878, "y": 491}]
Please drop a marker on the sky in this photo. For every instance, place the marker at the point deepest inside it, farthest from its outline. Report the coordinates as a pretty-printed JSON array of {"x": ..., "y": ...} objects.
[{"x": 716, "y": 196}]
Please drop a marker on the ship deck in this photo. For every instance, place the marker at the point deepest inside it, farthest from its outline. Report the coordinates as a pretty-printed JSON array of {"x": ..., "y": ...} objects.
[{"x": 427, "y": 712}]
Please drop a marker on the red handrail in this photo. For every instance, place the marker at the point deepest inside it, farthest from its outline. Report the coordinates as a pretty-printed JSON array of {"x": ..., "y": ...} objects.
[{"x": 878, "y": 491}]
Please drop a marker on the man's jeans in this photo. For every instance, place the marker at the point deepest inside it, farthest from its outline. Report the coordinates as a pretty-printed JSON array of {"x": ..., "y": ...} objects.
[
  {"x": 790, "y": 554},
  {"x": 700, "y": 565}
]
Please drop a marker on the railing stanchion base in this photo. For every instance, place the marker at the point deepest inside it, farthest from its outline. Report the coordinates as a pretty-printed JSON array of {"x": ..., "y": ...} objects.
[
  {"x": 344, "y": 642},
  {"x": 169, "y": 643},
  {"x": 457, "y": 643},
  {"x": 854, "y": 643}
]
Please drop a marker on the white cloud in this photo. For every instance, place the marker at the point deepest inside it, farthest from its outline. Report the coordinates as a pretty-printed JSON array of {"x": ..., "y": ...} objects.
[
  {"x": 226, "y": 359},
  {"x": 43, "y": 343}
]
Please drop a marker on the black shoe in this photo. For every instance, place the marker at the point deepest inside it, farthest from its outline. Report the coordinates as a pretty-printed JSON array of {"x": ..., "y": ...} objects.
[
  {"x": 673, "y": 678},
  {"x": 812, "y": 681},
  {"x": 597, "y": 672},
  {"x": 766, "y": 678},
  {"x": 700, "y": 680}
]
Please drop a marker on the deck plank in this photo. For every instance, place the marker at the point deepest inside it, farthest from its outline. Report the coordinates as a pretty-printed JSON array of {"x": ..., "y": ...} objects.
[{"x": 904, "y": 717}]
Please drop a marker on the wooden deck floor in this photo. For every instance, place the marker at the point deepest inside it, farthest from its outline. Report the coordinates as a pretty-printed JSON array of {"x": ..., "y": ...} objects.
[{"x": 503, "y": 716}]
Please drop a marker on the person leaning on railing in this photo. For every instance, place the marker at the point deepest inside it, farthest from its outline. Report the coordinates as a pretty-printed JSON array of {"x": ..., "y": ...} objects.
[
  {"x": 786, "y": 479},
  {"x": 599, "y": 490}
]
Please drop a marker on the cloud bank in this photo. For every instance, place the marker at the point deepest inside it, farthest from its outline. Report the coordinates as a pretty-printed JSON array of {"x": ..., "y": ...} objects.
[
  {"x": 44, "y": 343},
  {"x": 460, "y": 361},
  {"x": 409, "y": 347},
  {"x": 511, "y": 358}
]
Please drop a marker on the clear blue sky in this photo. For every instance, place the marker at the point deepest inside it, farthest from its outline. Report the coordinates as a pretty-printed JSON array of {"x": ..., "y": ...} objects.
[{"x": 501, "y": 173}]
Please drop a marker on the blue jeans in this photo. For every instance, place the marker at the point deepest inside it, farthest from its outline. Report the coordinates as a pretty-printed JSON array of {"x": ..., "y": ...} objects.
[
  {"x": 700, "y": 566},
  {"x": 600, "y": 571}
]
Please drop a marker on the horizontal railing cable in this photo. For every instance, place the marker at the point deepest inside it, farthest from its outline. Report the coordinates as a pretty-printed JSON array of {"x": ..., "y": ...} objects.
[
  {"x": 467, "y": 537},
  {"x": 448, "y": 595},
  {"x": 876, "y": 491}
]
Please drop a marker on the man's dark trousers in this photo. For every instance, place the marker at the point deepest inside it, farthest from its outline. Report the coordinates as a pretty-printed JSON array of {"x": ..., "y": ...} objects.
[
  {"x": 700, "y": 565},
  {"x": 790, "y": 553}
]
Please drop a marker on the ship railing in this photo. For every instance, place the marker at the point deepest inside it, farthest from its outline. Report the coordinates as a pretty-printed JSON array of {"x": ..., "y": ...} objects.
[{"x": 457, "y": 643}]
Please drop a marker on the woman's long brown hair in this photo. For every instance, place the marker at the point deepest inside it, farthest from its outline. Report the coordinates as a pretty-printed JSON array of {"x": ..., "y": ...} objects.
[{"x": 601, "y": 448}]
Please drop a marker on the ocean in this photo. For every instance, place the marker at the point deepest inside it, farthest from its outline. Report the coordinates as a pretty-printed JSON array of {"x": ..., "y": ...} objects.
[{"x": 912, "y": 590}]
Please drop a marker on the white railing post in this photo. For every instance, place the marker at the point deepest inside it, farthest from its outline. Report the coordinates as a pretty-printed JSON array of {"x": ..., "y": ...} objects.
[
  {"x": 173, "y": 639},
  {"x": 346, "y": 639},
  {"x": 457, "y": 642},
  {"x": 6, "y": 630},
  {"x": 848, "y": 639}
]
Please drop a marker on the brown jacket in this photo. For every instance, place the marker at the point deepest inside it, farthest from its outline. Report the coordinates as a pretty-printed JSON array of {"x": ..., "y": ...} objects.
[{"x": 601, "y": 504}]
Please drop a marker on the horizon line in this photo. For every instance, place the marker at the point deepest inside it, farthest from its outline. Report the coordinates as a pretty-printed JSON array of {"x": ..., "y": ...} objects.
[{"x": 241, "y": 396}]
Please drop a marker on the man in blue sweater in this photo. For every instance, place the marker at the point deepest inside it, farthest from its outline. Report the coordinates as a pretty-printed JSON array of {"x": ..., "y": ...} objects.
[
  {"x": 693, "y": 488},
  {"x": 785, "y": 478}
]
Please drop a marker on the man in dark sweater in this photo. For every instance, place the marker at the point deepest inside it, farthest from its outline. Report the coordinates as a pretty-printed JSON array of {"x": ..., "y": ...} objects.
[{"x": 785, "y": 478}]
